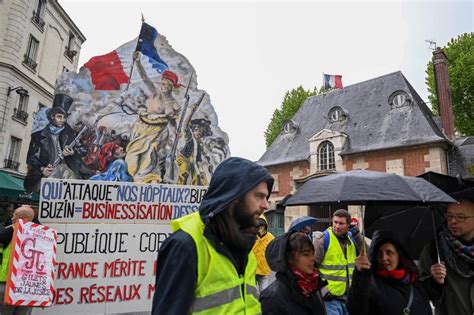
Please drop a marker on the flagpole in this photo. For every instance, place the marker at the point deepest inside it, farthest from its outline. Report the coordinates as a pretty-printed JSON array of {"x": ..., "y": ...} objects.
[{"x": 135, "y": 56}]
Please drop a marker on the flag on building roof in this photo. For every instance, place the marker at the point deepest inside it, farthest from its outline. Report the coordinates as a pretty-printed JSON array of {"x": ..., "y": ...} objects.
[
  {"x": 332, "y": 81},
  {"x": 111, "y": 70}
]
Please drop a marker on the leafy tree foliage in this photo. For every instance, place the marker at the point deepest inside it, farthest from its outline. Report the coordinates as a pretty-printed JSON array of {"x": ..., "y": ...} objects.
[
  {"x": 291, "y": 103},
  {"x": 460, "y": 53}
]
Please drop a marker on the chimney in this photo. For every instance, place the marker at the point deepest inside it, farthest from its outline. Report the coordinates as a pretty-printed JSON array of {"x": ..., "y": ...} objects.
[{"x": 443, "y": 91}]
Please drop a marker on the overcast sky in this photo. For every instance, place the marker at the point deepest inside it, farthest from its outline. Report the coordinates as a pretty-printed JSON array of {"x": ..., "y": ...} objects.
[{"x": 247, "y": 54}]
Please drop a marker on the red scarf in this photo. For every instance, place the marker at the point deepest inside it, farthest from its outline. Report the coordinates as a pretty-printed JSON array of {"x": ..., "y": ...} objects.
[
  {"x": 398, "y": 274},
  {"x": 306, "y": 283}
]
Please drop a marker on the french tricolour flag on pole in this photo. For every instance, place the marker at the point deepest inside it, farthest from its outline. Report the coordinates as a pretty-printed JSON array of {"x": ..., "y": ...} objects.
[
  {"x": 332, "y": 81},
  {"x": 110, "y": 70}
]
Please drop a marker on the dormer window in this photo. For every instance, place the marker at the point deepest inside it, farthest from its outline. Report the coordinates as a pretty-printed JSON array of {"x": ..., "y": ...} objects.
[
  {"x": 337, "y": 114},
  {"x": 289, "y": 126},
  {"x": 399, "y": 99}
]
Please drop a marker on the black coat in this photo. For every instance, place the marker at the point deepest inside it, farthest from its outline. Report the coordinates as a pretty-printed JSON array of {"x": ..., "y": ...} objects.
[
  {"x": 283, "y": 296},
  {"x": 41, "y": 153},
  {"x": 456, "y": 295},
  {"x": 370, "y": 294}
]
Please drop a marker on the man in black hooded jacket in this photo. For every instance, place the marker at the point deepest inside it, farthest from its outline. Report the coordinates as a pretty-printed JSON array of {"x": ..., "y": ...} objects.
[{"x": 206, "y": 265}]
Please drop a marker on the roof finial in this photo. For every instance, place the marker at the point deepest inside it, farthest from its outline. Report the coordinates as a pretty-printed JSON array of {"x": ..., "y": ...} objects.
[
  {"x": 432, "y": 44},
  {"x": 143, "y": 18}
]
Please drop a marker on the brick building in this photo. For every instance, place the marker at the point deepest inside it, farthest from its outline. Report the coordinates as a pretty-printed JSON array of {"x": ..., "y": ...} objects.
[{"x": 381, "y": 124}]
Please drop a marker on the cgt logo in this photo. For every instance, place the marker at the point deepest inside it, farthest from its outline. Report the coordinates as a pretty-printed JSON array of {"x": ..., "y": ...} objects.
[{"x": 35, "y": 259}]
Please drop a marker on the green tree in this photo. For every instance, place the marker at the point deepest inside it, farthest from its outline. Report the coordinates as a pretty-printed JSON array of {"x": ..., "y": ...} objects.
[
  {"x": 460, "y": 53},
  {"x": 291, "y": 103}
]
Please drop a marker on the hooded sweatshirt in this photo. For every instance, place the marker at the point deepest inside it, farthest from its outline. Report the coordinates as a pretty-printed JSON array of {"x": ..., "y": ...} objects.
[
  {"x": 283, "y": 295},
  {"x": 372, "y": 294},
  {"x": 259, "y": 250},
  {"x": 176, "y": 272}
]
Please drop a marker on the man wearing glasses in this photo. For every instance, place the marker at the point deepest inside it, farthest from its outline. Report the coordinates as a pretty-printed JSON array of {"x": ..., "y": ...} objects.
[{"x": 451, "y": 287}]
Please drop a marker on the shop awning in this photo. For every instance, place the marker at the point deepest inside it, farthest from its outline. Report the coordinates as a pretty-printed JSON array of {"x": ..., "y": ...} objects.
[{"x": 11, "y": 187}]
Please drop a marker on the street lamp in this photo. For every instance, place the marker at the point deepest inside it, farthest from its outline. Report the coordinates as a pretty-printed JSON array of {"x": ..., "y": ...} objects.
[{"x": 19, "y": 90}]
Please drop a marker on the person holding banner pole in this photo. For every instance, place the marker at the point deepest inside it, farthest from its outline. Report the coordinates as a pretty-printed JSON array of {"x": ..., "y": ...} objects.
[
  {"x": 26, "y": 213},
  {"x": 206, "y": 266}
]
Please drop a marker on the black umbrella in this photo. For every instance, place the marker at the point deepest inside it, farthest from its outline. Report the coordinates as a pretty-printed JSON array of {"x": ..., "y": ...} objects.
[
  {"x": 466, "y": 194},
  {"x": 413, "y": 224},
  {"x": 360, "y": 187}
]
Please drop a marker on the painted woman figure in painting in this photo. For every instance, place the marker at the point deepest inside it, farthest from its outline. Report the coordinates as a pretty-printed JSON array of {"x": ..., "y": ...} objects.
[{"x": 154, "y": 130}]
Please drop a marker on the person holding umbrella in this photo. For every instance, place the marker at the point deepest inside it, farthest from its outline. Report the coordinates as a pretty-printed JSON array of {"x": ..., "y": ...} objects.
[
  {"x": 298, "y": 284},
  {"x": 447, "y": 263},
  {"x": 388, "y": 282}
]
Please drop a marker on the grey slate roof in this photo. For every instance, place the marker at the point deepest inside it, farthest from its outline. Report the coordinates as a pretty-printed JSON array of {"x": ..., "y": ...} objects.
[
  {"x": 371, "y": 123},
  {"x": 461, "y": 158}
]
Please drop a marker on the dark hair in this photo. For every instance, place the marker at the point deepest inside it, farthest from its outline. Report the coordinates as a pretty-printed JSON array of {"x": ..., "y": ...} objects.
[
  {"x": 53, "y": 112},
  {"x": 404, "y": 262},
  {"x": 343, "y": 213},
  {"x": 298, "y": 242}
]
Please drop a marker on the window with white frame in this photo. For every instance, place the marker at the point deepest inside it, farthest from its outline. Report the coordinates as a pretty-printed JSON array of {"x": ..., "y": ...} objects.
[
  {"x": 13, "y": 154},
  {"x": 22, "y": 102},
  {"x": 326, "y": 160},
  {"x": 38, "y": 15},
  {"x": 41, "y": 4},
  {"x": 289, "y": 126},
  {"x": 20, "y": 112},
  {"x": 399, "y": 99},
  {"x": 32, "y": 50},
  {"x": 71, "y": 51},
  {"x": 337, "y": 114}
]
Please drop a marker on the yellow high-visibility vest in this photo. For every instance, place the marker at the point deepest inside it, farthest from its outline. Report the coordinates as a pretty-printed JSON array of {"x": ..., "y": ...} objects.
[
  {"x": 219, "y": 288},
  {"x": 335, "y": 267},
  {"x": 5, "y": 260}
]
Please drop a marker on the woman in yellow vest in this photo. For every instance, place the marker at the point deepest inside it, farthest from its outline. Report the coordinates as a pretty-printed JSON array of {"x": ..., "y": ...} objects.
[{"x": 298, "y": 285}]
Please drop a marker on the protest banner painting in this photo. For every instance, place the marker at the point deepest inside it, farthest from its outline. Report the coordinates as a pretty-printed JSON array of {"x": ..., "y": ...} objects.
[
  {"x": 108, "y": 237},
  {"x": 128, "y": 144},
  {"x": 31, "y": 268},
  {"x": 132, "y": 115}
]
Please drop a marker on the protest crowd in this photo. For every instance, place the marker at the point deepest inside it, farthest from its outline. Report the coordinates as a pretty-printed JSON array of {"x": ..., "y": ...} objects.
[
  {"x": 222, "y": 259},
  {"x": 208, "y": 265}
]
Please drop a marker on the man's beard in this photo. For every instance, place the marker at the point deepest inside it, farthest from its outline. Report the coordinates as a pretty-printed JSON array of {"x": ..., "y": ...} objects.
[
  {"x": 244, "y": 218},
  {"x": 235, "y": 227}
]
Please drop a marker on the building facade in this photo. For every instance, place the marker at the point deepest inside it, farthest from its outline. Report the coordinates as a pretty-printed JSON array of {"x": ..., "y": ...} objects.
[
  {"x": 381, "y": 124},
  {"x": 39, "y": 41}
]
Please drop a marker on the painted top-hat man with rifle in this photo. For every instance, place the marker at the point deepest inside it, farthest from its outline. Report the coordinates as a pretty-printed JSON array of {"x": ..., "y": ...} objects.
[{"x": 56, "y": 150}]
